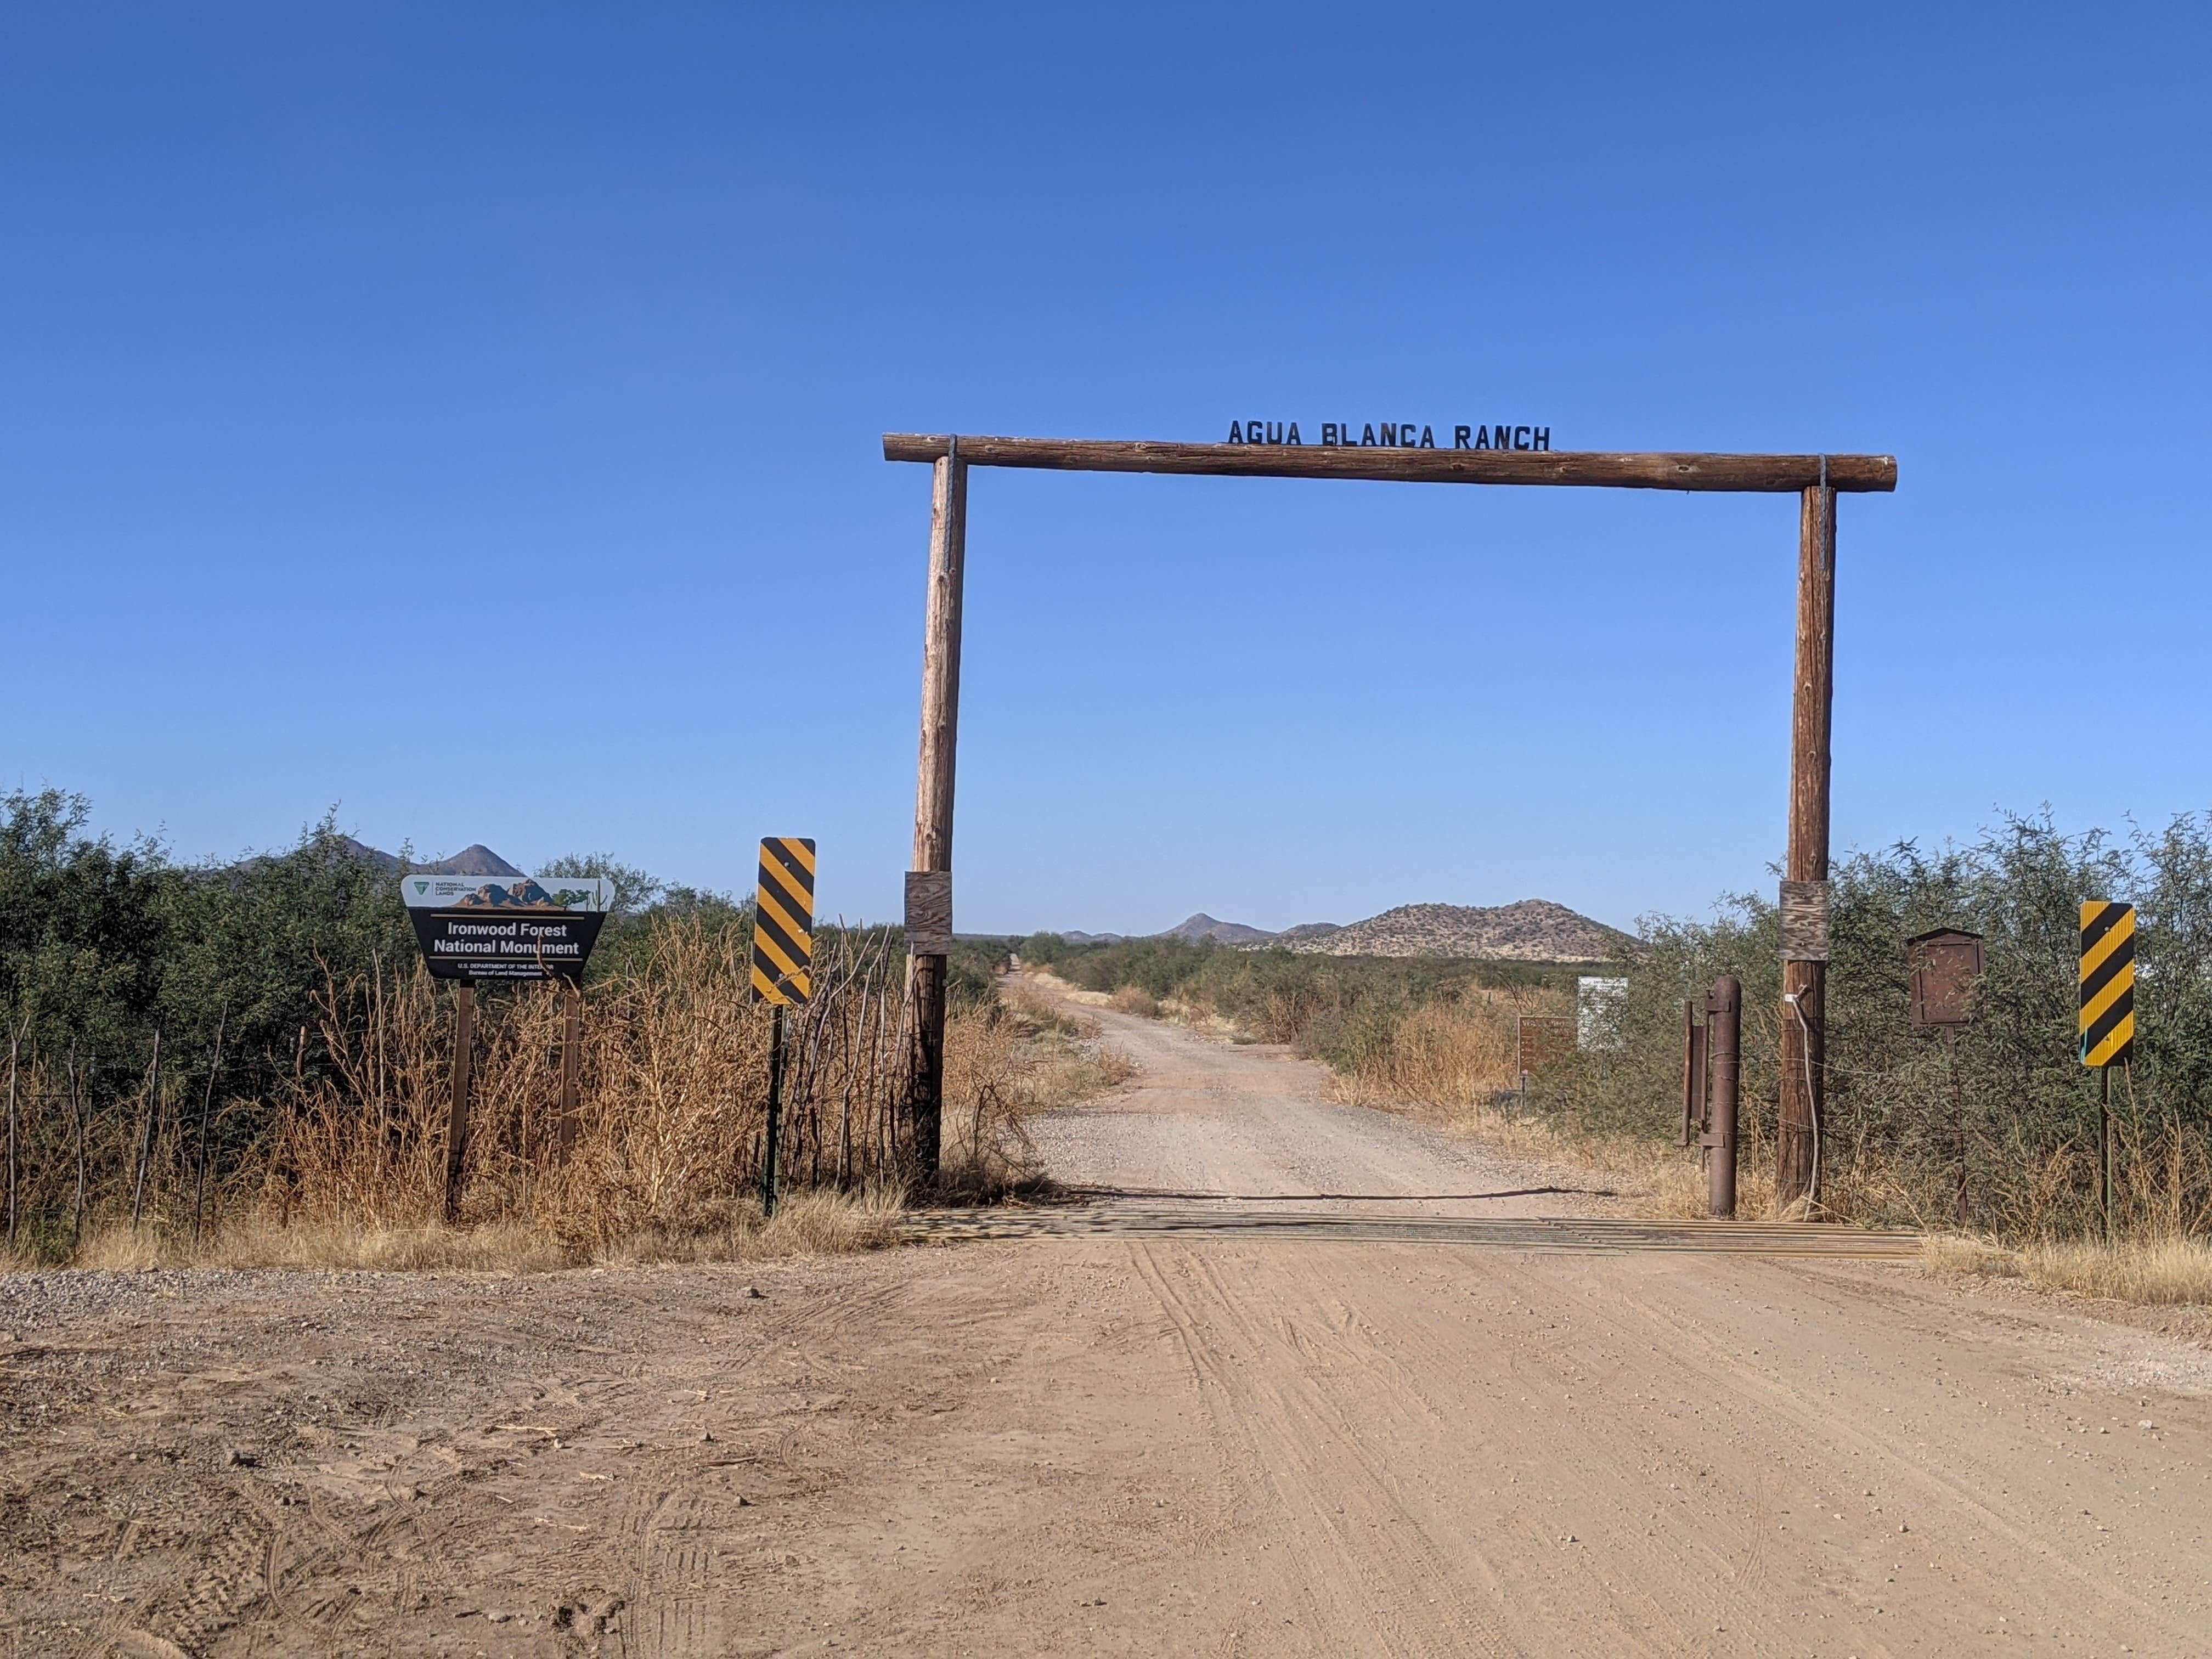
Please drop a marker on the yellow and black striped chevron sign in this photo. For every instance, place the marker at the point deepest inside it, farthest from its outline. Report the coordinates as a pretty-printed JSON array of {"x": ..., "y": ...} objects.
[
  {"x": 783, "y": 922},
  {"x": 2108, "y": 983}
]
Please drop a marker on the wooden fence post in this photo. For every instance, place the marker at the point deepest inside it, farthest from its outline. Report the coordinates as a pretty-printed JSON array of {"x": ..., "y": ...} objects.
[{"x": 933, "y": 810}]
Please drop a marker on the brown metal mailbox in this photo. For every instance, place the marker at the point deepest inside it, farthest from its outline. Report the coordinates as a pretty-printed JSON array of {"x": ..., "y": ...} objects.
[{"x": 1946, "y": 964}]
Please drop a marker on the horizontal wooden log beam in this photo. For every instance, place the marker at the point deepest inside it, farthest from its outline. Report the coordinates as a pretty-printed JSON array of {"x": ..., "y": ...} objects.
[{"x": 1779, "y": 473}]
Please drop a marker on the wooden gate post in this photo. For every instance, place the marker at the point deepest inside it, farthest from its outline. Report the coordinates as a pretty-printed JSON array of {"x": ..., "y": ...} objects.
[
  {"x": 457, "y": 1112},
  {"x": 933, "y": 808},
  {"x": 1804, "y": 984}
]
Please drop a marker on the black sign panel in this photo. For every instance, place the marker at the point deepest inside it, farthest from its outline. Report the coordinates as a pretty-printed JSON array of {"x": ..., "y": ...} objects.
[{"x": 507, "y": 943}]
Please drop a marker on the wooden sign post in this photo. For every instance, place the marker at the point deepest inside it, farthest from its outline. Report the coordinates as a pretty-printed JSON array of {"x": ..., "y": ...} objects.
[
  {"x": 572, "y": 1061},
  {"x": 1814, "y": 478},
  {"x": 457, "y": 1108}
]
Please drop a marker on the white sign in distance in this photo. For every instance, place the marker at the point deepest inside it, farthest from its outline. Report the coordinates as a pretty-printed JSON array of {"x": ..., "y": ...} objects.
[{"x": 1600, "y": 1009}]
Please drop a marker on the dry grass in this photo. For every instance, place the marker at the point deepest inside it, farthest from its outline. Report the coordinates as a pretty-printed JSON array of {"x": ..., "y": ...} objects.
[
  {"x": 1052, "y": 985},
  {"x": 1951, "y": 1255},
  {"x": 662, "y": 1161},
  {"x": 1027, "y": 1055},
  {"x": 825, "y": 1223},
  {"x": 1459, "y": 1053},
  {"x": 1449, "y": 1063},
  {"x": 1037, "y": 1003},
  {"x": 667, "y": 1141},
  {"x": 2149, "y": 1270},
  {"x": 1065, "y": 1061}
]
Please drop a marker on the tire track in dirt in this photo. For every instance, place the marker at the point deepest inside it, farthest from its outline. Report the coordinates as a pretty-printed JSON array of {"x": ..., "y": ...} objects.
[
  {"x": 1787, "y": 1418},
  {"x": 1266, "y": 1400}
]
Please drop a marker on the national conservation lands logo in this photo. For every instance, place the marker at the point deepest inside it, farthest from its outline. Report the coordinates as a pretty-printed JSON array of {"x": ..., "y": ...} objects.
[
  {"x": 521, "y": 893},
  {"x": 508, "y": 928}
]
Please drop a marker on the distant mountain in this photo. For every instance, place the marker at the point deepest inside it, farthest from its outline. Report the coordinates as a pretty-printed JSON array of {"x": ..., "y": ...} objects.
[
  {"x": 1202, "y": 928},
  {"x": 474, "y": 860},
  {"x": 347, "y": 847},
  {"x": 1533, "y": 930}
]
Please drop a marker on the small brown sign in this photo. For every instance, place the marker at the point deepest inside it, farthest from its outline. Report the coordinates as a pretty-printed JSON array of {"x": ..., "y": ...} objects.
[
  {"x": 1545, "y": 1040},
  {"x": 1804, "y": 921},
  {"x": 1945, "y": 965},
  {"x": 929, "y": 913}
]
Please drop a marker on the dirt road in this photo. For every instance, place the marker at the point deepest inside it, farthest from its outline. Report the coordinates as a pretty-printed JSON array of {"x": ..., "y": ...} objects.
[{"x": 1130, "y": 1439}]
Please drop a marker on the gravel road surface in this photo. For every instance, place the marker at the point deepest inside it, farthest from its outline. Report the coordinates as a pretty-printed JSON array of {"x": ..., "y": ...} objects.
[{"x": 1211, "y": 1441}]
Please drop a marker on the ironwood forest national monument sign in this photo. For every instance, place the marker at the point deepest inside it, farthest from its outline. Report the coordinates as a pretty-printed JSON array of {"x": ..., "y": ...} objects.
[
  {"x": 510, "y": 927},
  {"x": 1815, "y": 479},
  {"x": 473, "y": 927}
]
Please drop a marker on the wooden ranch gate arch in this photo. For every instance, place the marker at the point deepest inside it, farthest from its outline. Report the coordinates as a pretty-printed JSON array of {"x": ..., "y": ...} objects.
[{"x": 1815, "y": 478}]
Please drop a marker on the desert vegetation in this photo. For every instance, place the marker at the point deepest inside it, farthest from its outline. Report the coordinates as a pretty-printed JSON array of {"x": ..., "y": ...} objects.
[{"x": 247, "y": 1063}]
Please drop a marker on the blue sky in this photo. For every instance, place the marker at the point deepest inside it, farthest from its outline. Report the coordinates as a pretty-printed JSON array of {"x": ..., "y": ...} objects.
[{"x": 470, "y": 417}]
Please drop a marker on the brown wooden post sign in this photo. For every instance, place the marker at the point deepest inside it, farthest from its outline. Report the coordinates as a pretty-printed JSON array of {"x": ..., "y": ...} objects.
[
  {"x": 1415, "y": 451},
  {"x": 1543, "y": 1041},
  {"x": 505, "y": 927},
  {"x": 1946, "y": 966}
]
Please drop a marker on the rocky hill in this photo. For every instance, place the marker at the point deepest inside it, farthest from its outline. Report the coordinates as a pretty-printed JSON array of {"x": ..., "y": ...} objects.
[
  {"x": 477, "y": 859},
  {"x": 1201, "y": 928},
  {"x": 1533, "y": 930}
]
